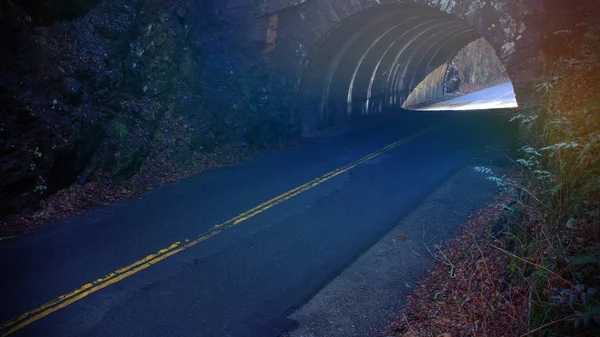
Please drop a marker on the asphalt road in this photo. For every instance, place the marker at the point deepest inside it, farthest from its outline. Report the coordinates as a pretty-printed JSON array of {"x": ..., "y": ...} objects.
[{"x": 241, "y": 281}]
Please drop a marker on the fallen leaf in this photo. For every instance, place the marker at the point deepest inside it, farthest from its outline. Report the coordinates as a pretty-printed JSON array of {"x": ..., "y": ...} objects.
[{"x": 402, "y": 237}]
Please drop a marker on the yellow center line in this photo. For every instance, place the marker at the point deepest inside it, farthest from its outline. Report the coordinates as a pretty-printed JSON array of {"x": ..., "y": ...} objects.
[{"x": 120, "y": 274}]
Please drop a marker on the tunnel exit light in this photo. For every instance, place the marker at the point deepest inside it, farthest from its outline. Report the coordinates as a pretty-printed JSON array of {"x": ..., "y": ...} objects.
[{"x": 497, "y": 97}]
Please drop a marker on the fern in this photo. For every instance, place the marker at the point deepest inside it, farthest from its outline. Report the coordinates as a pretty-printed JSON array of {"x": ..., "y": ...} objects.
[
  {"x": 484, "y": 170},
  {"x": 499, "y": 182},
  {"x": 524, "y": 119},
  {"x": 530, "y": 150},
  {"x": 546, "y": 87},
  {"x": 525, "y": 162},
  {"x": 490, "y": 175},
  {"x": 559, "y": 122},
  {"x": 120, "y": 129},
  {"x": 563, "y": 145},
  {"x": 543, "y": 175}
]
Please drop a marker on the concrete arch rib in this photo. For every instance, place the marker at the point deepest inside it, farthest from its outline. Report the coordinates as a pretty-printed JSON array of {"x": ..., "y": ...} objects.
[
  {"x": 364, "y": 55},
  {"x": 460, "y": 37},
  {"x": 395, "y": 63},
  {"x": 385, "y": 53},
  {"x": 392, "y": 99},
  {"x": 417, "y": 69},
  {"x": 419, "y": 51},
  {"x": 324, "y": 78},
  {"x": 435, "y": 79},
  {"x": 333, "y": 66},
  {"x": 423, "y": 44}
]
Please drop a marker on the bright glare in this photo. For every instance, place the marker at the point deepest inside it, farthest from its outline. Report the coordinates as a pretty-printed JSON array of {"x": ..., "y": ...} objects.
[{"x": 497, "y": 97}]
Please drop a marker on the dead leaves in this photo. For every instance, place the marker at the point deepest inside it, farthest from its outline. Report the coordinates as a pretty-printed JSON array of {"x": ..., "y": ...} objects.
[
  {"x": 102, "y": 190},
  {"x": 476, "y": 301}
]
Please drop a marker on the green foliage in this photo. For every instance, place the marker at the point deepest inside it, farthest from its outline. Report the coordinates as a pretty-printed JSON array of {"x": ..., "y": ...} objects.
[
  {"x": 120, "y": 130},
  {"x": 40, "y": 188},
  {"x": 557, "y": 194},
  {"x": 40, "y": 185},
  {"x": 587, "y": 259},
  {"x": 525, "y": 119},
  {"x": 544, "y": 87},
  {"x": 37, "y": 153}
]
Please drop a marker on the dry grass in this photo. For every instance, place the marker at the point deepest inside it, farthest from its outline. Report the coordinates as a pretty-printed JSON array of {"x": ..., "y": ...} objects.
[
  {"x": 469, "y": 292},
  {"x": 542, "y": 278}
]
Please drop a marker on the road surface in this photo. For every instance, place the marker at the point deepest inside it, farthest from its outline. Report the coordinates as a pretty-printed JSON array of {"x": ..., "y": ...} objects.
[
  {"x": 158, "y": 265},
  {"x": 496, "y": 97}
]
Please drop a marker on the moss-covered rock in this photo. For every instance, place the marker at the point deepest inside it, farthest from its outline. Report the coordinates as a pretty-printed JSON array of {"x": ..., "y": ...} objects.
[{"x": 117, "y": 84}]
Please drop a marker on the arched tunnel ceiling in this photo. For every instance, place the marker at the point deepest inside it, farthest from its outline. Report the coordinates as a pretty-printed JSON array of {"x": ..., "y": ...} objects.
[{"x": 374, "y": 59}]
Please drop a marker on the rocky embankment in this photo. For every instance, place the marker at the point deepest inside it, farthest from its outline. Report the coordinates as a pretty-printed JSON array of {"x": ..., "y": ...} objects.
[{"x": 114, "y": 88}]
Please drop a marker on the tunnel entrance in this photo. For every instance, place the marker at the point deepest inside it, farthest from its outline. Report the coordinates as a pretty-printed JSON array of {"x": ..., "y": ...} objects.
[{"x": 373, "y": 60}]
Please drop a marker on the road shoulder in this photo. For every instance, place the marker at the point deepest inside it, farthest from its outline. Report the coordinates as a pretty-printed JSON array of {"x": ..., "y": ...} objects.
[{"x": 362, "y": 300}]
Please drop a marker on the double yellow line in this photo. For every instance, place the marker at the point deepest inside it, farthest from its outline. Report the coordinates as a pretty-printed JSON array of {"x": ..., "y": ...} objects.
[{"x": 116, "y": 276}]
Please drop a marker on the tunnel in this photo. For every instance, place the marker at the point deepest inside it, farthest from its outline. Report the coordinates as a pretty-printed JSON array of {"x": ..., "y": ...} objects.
[
  {"x": 113, "y": 80},
  {"x": 373, "y": 60},
  {"x": 263, "y": 168}
]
